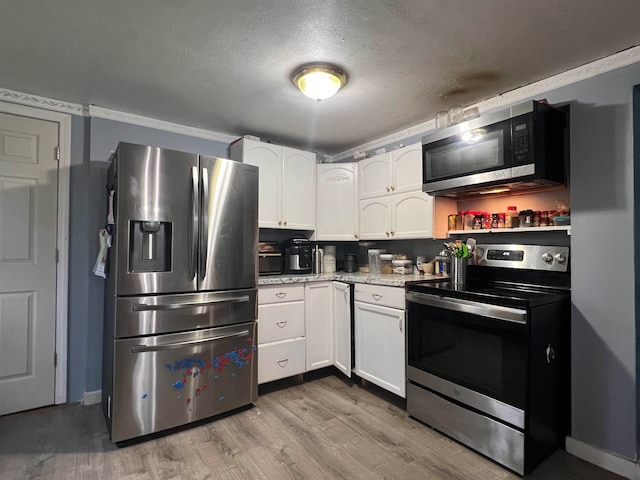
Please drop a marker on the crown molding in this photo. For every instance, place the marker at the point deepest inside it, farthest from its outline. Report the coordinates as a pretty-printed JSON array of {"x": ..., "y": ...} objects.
[
  {"x": 503, "y": 100},
  {"x": 41, "y": 102},
  {"x": 108, "y": 114}
]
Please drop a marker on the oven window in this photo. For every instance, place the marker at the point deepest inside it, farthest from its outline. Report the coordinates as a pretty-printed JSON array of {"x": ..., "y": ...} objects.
[{"x": 486, "y": 355}]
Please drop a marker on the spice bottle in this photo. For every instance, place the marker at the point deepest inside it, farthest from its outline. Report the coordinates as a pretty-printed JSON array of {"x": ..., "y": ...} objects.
[
  {"x": 511, "y": 217},
  {"x": 501, "y": 220}
]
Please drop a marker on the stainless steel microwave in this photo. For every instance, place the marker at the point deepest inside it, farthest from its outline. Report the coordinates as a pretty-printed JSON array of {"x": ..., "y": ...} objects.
[{"x": 523, "y": 147}]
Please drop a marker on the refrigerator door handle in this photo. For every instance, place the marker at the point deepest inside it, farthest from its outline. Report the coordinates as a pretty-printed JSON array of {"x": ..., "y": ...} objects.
[
  {"x": 143, "y": 307},
  {"x": 186, "y": 343},
  {"x": 204, "y": 232},
  {"x": 193, "y": 221}
]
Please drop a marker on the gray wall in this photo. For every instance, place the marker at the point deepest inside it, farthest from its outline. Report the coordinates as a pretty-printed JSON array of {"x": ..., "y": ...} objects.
[
  {"x": 602, "y": 201},
  {"x": 92, "y": 141}
]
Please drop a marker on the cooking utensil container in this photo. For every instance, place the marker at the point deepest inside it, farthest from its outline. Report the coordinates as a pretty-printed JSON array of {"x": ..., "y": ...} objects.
[{"x": 459, "y": 270}]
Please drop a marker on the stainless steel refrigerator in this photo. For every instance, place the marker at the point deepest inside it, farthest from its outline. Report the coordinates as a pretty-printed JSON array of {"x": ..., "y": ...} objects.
[{"x": 180, "y": 329}]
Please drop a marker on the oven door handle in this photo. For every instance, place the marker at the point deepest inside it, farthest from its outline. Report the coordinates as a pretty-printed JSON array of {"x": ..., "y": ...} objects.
[
  {"x": 186, "y": 343},
  {"x": 497, "y": 312}
]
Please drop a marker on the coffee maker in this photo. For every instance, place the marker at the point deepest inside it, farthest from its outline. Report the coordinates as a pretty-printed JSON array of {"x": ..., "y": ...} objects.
[{"x": 297, "y": 256}]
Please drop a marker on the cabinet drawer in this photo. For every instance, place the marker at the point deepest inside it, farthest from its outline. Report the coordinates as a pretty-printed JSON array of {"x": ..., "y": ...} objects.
[
  {"x": 280, "y": 293},
  {"x": 393, "y": 297},
  {"x": 281, "y": 359},
  {"x": 280, "y": 321}
]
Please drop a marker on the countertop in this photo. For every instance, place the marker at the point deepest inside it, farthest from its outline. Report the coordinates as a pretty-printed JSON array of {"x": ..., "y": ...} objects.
[{"x": 392, "y": 280}]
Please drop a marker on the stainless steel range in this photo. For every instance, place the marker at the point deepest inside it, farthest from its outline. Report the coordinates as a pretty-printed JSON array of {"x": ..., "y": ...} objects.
[
  {"x": 488, "y": 361},
  {"x": 180, "y": 303}
]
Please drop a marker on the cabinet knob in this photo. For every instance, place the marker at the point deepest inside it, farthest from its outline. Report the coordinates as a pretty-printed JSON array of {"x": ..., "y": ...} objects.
[
  {"x": 355, "y": 236},
  {"x": 388, "y": 189},
  {"x": 393, "y": 189},
  {"x": 392, "y": 233},
  {"x": 376, "y": 296},
  {"x": 387, "y": 233},
  {"x": 282, "y": 324},
  {"x": 285, "y": 223},
  {"x": 281, "y": 294},
  {"x": 280, "y": 222}
]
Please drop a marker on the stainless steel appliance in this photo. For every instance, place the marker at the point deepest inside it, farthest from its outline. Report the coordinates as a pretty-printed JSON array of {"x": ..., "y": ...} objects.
[
  {"x": 180, "y": 301},
  {"x": 488, "y": 361},
  {"x": 520, "y": 148},
  {"x": 297, "y": 256},
  {"x": 269, "y": 258}
]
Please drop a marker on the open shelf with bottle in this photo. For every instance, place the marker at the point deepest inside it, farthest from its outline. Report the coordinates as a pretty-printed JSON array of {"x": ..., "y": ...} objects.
[{"x": 565, "y": 228}]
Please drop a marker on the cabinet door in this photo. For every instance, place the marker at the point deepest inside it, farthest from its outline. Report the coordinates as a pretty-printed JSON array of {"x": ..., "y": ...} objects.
[
  {"x": 268, "y": 158},
  {"x": 406, "y": 169},
  {"x": 375, "y": 219},
  {"x": 380, "y": 346},
  {"x": 318, "y": 324},
  {"x": 342, "y": 327},
  {"x": 337, "y": 204},
  {"x": 298, "y": 189},
  {"x": 374, "y": 176},
  {"x": 411, "y": 215}
]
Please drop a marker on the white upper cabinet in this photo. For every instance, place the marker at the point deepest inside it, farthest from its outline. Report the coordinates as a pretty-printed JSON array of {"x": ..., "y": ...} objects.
[
  {"x": 375, "y": 176},
  {"x": 287, "y": 183},
  {"x": 337, "y": 217},
  {"x": 392, "y": 204},
  {"x": 394, "y": 172},
  {"x": 406, "y": 169}
]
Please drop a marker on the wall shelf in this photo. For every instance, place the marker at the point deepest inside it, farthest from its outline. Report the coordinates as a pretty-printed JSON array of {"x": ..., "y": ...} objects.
[{"x": 564, "y": 228}]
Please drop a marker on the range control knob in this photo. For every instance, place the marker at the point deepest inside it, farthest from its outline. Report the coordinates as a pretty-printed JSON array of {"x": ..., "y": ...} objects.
[
  {"x": 547, "y": 257},
  {"x": 560, "y": 258}
]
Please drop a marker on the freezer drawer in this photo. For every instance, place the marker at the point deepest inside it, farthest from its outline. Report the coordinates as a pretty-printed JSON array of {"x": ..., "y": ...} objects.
[
  {"x": 157, "y": 314},
  {"x": 164, "y": 381}
]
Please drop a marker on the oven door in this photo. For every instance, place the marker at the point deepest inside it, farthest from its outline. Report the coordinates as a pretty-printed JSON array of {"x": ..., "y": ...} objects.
[{"x": 473, "y": 353}]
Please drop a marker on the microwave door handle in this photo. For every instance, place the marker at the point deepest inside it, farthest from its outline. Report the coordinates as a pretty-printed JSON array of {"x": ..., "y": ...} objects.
[
  {"x": 193, "y": 220},
  {"x": 186, "y": 343},
  {"x": 506, "y": 314},
  {"x": 204, "y": 232}
]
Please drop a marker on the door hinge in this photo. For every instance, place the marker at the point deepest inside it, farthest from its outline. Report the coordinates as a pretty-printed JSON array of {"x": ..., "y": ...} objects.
[{"x": 58, "y": 153}]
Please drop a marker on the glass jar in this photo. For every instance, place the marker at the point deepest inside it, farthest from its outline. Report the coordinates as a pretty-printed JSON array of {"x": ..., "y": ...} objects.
[
  {"x": 544, "y": 218},
  {"x": 501, "y": 220},
  {"x": 363, "y": 250},
  {"x": 386, "y": 263},
  {"x": 536, "y": 218},
  {"x": 329, "y": 259},
  {"x": 494, "y": 220},
  {"x": 512, "y": 220},
  {"x": 374, "y": 260}
]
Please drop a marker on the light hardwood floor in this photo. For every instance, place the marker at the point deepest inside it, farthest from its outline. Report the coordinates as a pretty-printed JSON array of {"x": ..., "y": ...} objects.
[{"x": 324, "y": 428}]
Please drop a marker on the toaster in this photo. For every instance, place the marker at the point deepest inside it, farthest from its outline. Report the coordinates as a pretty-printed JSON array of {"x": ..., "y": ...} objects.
[{"x": 269, "y": 258}]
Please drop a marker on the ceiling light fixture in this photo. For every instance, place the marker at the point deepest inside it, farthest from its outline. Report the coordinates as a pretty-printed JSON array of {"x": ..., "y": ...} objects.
[{"x": 319, "y": 80}]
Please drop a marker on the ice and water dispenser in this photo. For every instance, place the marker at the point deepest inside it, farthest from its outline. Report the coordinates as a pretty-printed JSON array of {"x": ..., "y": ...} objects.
[{"x": 149, "y": 246}]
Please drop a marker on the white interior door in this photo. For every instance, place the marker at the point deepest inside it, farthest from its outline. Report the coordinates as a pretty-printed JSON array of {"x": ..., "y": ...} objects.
[{"x": 28, "y": 222}]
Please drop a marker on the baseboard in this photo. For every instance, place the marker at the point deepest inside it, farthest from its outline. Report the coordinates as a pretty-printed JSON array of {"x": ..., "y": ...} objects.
[
  {"x": 91, "y": 398},
  {"x": 609, "y": 461}
]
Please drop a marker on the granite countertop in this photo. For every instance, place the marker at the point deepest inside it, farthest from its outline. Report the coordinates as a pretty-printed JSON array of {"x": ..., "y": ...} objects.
[{"x": 392, "y": 280}]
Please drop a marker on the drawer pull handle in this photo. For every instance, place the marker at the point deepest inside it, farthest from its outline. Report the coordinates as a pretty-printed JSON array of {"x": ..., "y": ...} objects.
[
  {"x": 376, "y": 296},
  {"x": 283, "y": 362},
  {"x": 282, "y": 324},
  {"x": 281, "y": 294}
]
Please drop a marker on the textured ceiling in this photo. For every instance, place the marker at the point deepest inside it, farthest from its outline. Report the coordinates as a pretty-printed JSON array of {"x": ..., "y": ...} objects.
[{"x": 225, "y": 65}]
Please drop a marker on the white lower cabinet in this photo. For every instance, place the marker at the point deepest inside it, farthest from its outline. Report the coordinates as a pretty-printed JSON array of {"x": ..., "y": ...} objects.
[
  {"x": 380, "y": 336},
  {"x": 342, "y": 327},
  {"x": 283, "y": 359},
  {"x": 303, "y": 327},
  {"x": 319, "y": 324},
  {"x": 281, "y": 332}
]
